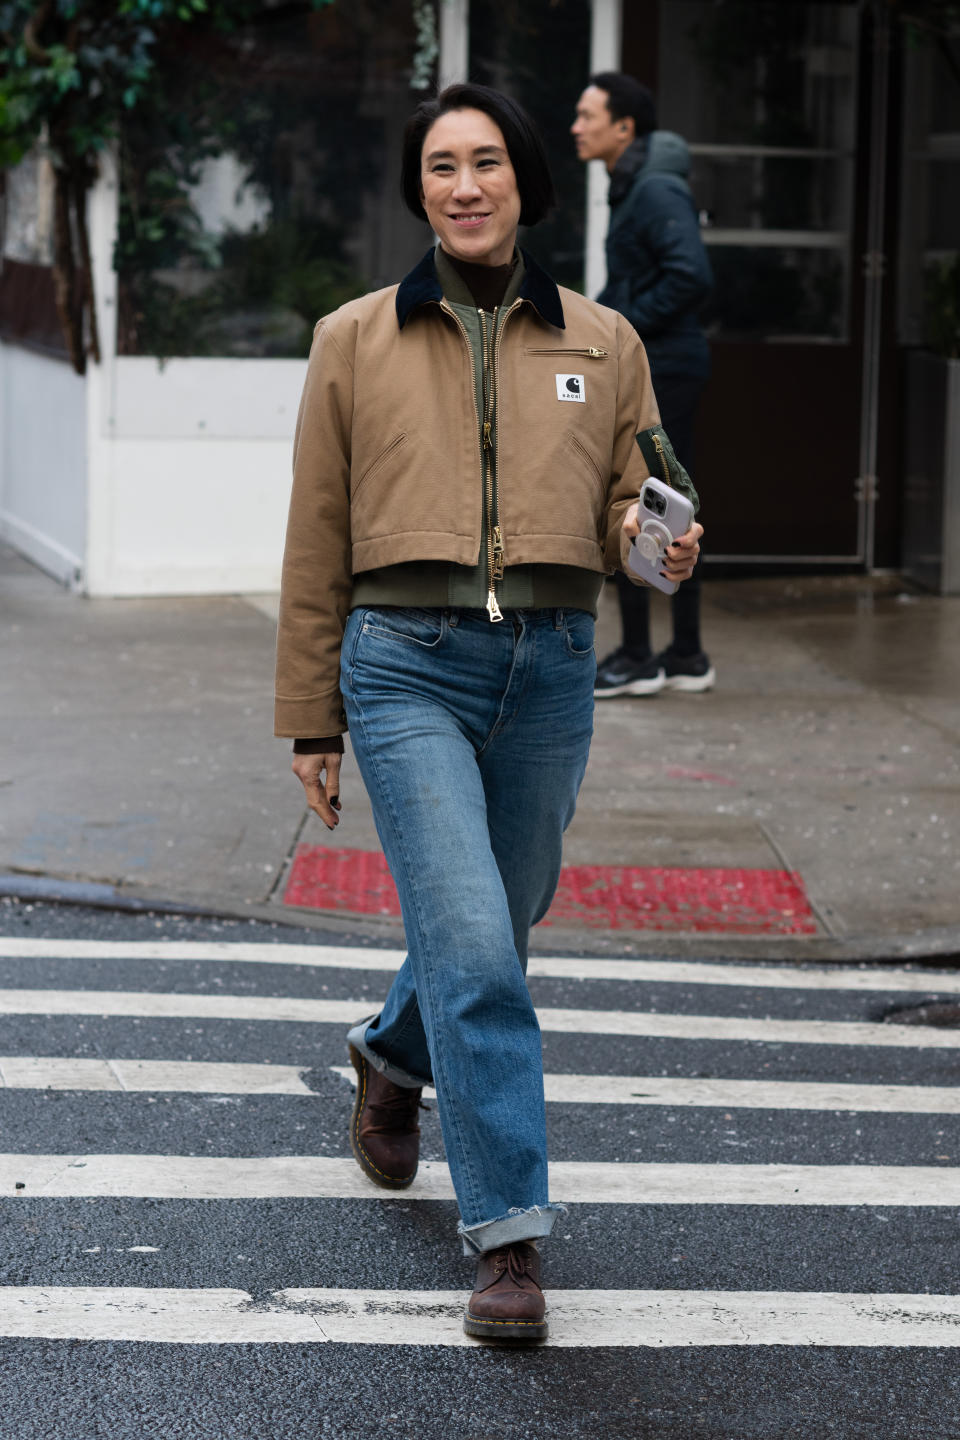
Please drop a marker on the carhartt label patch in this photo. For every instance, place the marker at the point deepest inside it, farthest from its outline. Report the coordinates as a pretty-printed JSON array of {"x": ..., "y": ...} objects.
[{"x": 571, "y": 387}]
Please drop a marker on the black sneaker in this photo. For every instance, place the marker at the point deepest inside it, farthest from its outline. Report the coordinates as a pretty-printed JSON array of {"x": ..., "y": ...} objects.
[
  {"x": 620, "y": 674},
  {"x": 689, "y": 673}
]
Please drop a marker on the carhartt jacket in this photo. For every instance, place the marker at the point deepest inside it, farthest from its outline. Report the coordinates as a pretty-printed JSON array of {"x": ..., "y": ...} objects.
[{"x": 388, "y": 457}]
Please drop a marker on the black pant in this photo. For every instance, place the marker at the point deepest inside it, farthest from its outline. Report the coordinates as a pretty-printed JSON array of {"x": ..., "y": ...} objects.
[{"x": 677, "y": 398}]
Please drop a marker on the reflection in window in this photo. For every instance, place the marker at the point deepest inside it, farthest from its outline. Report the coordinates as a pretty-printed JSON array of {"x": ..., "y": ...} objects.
[
  {"x": 261, "y": 191},
  {"x": 929, "y": 278},
  {"x": 773, "y": 86},
  {"x": 538, "y": 52}
]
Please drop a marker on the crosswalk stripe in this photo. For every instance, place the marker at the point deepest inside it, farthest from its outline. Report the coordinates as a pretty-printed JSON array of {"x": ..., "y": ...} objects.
[
  {"x": 214, "y": 1078},
  {"x": 579, "y": 1022},
  {"x": 649, "y": 1318},
  {"x": 737, "y": 1094},
  {"x": 542, "y": 967},
  {"x": 198, "y": 1077},
  {"x": 188, "y": 1177}
]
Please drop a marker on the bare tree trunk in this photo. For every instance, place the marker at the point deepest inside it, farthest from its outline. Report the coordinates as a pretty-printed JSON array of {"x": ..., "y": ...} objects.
[
  {"x": 81, "y": 189},
  {"x": 65, "y": 274}
]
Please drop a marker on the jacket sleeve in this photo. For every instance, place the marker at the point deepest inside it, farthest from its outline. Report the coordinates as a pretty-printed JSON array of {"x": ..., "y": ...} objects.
[
  {"x": 665, "y": 223},
  {"x": 636, "y": 411},
  {"x": 316, "y": 580}
]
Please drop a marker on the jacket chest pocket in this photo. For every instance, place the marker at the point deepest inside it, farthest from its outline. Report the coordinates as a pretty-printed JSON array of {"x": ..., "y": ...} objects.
[
  {"x": 562, "y": 375},
  {"x": 587, "y": 352}
]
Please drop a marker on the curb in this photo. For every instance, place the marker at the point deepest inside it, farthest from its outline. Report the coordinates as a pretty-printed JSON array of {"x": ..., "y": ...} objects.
[{"x": 934, "y": 946}]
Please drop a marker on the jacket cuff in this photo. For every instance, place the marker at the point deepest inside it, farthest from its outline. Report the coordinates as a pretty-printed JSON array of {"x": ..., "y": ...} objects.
[{"x": 321, "y": 714}]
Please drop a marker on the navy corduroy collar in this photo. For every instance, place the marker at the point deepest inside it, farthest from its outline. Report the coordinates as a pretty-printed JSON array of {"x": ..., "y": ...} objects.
[{"x": 422, "y": 286}]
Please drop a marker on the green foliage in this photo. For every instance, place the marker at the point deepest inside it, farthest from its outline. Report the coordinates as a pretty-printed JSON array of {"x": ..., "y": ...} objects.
[
  {"x": 70, "y": 72},
  {"x": 943, "y": 307},
  {"x": 926, "y": 18},
  {"x": 73, "y": 68}
]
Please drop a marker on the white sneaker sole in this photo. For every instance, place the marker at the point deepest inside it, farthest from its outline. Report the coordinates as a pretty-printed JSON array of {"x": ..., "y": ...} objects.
[
  {"x": 634, "y": 687},
  {"x": 691, "y": 684}
]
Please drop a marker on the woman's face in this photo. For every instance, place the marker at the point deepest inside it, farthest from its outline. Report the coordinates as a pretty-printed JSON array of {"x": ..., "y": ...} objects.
[{"x": 468, "y": 188}]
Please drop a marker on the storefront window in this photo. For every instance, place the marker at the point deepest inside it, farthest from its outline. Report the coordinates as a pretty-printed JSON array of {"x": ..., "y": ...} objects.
[
  {"x": 538, "y": 51},
  {"x": 929, "y": 279},
  {"x": 261, "y": 191},
  {"x": 773, "y": 86}
]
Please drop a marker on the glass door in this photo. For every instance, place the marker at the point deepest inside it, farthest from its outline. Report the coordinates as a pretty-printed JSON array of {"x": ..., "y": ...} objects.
[{"x": 766, "y": 94}]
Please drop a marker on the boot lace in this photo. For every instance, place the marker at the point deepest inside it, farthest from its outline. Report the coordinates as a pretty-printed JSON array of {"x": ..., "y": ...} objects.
[{"x": 513, "y": 1261}]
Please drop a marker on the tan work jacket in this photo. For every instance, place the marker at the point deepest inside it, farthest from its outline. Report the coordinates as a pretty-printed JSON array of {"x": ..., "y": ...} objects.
[{"x": 388, "y": 457}]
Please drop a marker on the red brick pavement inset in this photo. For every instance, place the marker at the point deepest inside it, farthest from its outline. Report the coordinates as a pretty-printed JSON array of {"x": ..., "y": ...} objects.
[{"x": 604, "y": 897}]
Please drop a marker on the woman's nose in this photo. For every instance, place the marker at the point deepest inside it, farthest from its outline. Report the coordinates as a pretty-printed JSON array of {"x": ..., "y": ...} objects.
[{"x": 466, "y": 183}]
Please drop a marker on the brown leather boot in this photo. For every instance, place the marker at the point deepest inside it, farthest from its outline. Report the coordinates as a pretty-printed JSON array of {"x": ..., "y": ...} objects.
[
  {"x": 508, "y": 1303},
  {"x": 384, "y": 1134}
]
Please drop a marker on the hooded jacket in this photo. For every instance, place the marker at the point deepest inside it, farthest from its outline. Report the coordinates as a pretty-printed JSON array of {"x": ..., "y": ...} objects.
[
  {"x": 388, "y": 457},
  {"x": 658, "y": 273}
]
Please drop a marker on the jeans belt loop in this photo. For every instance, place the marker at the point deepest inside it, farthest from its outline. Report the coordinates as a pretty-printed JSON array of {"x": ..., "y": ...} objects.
[
  {"x": 453, "y": 618},
  {"x": 558, "y": 619}
]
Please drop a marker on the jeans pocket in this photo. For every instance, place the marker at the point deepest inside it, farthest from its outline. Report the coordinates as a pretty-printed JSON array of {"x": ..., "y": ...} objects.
[
  {"x": 578, "y": 629},
  {"x": 406, "y": 624}
]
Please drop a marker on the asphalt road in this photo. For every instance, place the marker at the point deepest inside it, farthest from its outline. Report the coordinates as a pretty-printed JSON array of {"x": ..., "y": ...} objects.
[{"x": 73, "y": 1254}]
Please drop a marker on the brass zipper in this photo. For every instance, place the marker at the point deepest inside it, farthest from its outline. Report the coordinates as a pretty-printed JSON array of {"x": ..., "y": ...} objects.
[
  {"x": 494, "y": 538},
  {"x": 658, "y": 446},
  {"x": 483, "y": 429},
  {"x": 592, "y": 350},
  {"x": 494, "y": 531}
]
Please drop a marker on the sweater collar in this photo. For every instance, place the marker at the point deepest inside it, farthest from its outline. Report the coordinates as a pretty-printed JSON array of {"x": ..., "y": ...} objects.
[{"x": 422, "y": 286}]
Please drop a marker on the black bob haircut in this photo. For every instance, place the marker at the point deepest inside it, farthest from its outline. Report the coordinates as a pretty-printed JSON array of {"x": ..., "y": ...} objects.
[
  {"x": 627, "y": 99},
  {"x": 521, "y": 137}
]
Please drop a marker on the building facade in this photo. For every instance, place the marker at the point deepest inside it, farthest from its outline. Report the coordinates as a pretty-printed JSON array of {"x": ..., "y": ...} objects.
[{"x": 826, "y": 155}]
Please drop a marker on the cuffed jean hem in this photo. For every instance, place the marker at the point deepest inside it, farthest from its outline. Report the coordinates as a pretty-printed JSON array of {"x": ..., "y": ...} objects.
[
  {"x": 357, "y": 1038},
  {"x": 532, "y": 1224}
]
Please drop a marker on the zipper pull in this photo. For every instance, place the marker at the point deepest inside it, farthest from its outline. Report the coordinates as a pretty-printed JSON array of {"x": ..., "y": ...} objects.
[
  {"x": 497, "y": 553},
  {"x": 493, "y": 609},
  {"x": 595, "y": 353},
  {"x": 658, "y": 446},
  {"x": 487, "y": 442}
]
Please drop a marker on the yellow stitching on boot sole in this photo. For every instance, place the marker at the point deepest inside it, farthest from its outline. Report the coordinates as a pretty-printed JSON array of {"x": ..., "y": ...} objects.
[{"x": 397, "y": 1179}]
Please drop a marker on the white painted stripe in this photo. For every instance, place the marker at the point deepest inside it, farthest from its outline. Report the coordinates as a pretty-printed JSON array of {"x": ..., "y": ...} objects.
[
  {"x": 182, "y": 1177},
  {"x": 655, "y": 1318},
  {"x": 738, "y": 1027},
  {"x": 568, "y": 1022},
  {"x": 683, "y": 972},
  {"x": 214, "y": 1078},
  {"x": 737, "y": 1094},
  {"x": 190, "y": 1076}
]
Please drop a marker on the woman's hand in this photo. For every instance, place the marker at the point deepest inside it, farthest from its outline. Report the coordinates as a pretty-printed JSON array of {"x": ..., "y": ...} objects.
[
  {"x": 323, "y": 798},
  {"x": 681, "y": 556}
]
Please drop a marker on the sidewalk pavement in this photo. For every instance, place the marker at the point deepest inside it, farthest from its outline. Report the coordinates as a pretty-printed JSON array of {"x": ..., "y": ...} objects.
[{"x": 815, "y": 791}]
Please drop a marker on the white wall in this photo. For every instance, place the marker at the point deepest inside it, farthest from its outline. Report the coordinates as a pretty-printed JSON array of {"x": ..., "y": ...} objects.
[
  {"x": 189, "y": 462},
  {"x": 43, "y": 464}
]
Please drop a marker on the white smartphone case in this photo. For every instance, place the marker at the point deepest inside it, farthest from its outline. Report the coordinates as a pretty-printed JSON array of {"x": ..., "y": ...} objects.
[{"x": 664, "y": 515}]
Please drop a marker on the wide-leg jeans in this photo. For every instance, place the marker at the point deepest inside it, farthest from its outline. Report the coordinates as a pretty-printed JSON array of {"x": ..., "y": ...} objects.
[{"x": 472, "y": 740}]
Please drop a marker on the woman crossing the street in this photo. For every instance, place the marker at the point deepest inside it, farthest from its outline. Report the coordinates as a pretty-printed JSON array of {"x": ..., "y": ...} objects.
[{"x": 466, "y": 471}]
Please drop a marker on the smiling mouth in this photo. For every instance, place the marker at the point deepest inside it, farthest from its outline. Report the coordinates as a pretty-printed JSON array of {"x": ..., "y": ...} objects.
[{"x": 470, "y": 220}]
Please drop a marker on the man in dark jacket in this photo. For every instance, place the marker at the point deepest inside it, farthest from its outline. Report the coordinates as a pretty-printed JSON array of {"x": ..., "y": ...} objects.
[{"x": 658, "y": 276}]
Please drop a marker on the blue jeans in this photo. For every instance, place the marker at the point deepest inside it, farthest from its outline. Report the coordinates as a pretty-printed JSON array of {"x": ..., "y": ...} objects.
[{"x": 472, "y": 740}]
